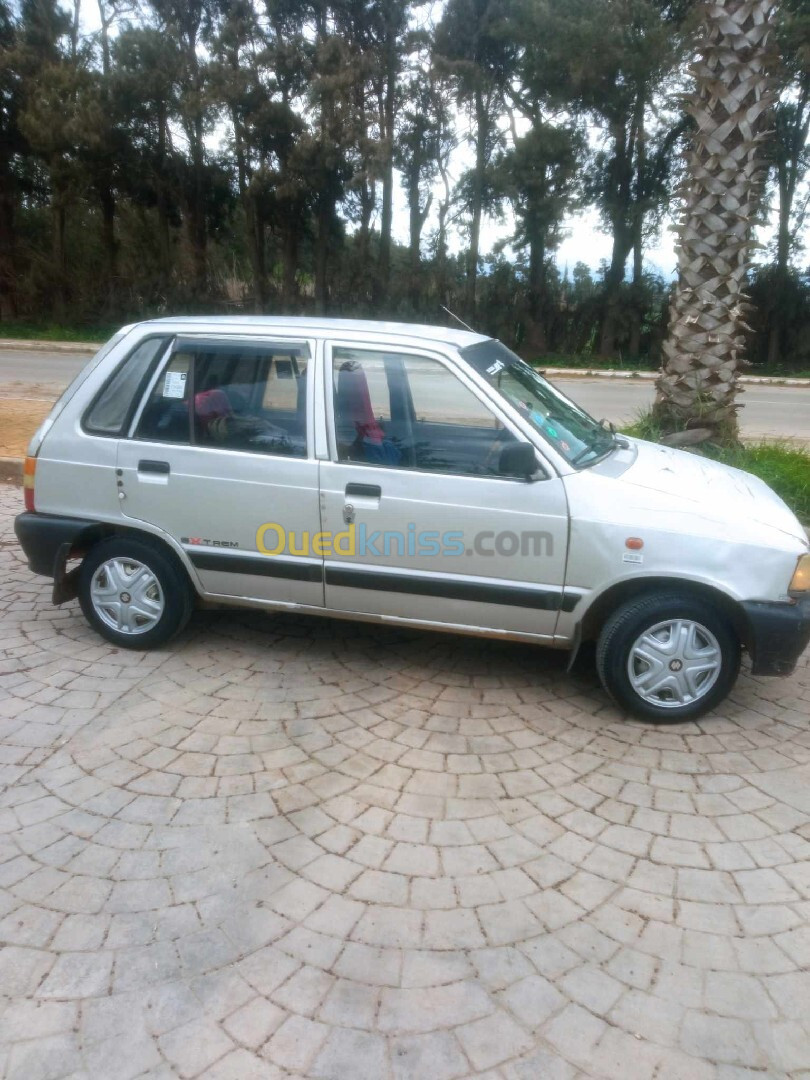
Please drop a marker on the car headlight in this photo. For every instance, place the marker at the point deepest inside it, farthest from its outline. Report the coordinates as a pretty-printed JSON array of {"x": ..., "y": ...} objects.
[{"x": 800, "y": 582}]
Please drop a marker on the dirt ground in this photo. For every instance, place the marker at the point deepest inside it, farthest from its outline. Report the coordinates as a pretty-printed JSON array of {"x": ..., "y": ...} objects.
[{"x": 22, "y": 408}]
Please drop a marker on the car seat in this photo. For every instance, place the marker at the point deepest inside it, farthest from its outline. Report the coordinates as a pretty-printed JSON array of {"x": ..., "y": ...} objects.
[
  {"x": 359, "y": 433},
  {"x": 210, "y": 405},
  {"x": 355, "y": 415}
]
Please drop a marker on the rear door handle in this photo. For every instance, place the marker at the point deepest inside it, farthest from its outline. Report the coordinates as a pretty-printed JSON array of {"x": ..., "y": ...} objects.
[
  {"x": 162, "y": 468},
  {"x": 368, "y": 491}
]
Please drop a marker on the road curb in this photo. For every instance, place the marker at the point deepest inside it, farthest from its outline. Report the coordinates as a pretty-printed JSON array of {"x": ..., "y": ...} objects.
[
  {"x": 11, "y": 470},
  {"x": 650, "y": 376},
  {"x": 50, "y": 346}
]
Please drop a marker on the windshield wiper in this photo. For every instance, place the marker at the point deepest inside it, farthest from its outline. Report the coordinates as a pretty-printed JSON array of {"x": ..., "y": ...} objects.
[{"x": 592, "y": 448}]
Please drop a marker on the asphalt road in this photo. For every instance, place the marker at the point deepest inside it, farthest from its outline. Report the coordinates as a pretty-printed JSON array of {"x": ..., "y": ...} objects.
[{"x": 768, "y": 411}]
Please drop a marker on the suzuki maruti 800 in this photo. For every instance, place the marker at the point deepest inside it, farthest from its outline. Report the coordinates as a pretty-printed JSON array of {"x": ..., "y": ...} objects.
[{"x": 408, "y": 475}]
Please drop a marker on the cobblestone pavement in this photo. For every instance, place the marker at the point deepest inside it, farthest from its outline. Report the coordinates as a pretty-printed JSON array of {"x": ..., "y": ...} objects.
[{"x": 289, "y": 847}]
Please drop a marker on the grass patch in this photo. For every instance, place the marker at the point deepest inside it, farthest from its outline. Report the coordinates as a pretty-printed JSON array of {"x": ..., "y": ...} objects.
[
  {"x": 22, "y": 331},
  {"x": 783, "y": 466}
]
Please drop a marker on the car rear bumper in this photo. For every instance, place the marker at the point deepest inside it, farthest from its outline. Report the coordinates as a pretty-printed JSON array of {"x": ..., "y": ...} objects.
[
  {"x": 47, "y": 538},
  {"x": 778, "y": 634}
]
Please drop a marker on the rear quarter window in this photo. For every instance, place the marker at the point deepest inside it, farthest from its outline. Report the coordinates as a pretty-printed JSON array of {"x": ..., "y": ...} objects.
[{"x": 113, "y": 405}]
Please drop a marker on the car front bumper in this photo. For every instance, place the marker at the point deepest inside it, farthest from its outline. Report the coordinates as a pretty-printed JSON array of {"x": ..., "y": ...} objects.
[{"x": 778, "y": 634}]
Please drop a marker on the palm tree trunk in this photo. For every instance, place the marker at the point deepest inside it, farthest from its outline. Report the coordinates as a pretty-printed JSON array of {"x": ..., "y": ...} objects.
[{"x": 726, "y": 169}]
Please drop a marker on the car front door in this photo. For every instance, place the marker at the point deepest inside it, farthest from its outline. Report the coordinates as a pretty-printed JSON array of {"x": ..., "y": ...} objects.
[
  {"x": 423, "y": 522},
  {"x": 220, "y": 449}
]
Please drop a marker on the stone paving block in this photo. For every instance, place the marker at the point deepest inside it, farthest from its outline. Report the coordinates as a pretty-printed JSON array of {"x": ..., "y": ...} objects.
[
  {"x": 592, "y": 988},
  {"x": 348, "y": 1052},
  {"x": 574, "y": 1033},
  {"x": 242, "y": 1065},
  {"x": 44, "y": 1058},
  {"x": 254, "y": 1023},
  {"x": 431, "y": 1008},
  {"x": 78, "y": 975},
  {"x": 436, "y": 1054},
  {"x": 194, "y": 1046},
  {"x": 492, "y": 1040},
  {"x": 296, "y": 1043},
  {"x": 289, "y": 847},
  {"x": 721, "y": 1040}
]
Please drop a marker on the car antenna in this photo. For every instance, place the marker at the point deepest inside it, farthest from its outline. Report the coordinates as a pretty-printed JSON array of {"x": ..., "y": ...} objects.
[{"x": 458, "y": 320}]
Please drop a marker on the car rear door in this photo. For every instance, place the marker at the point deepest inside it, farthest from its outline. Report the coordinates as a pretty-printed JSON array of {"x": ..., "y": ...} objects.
[{"x": 221, "y": 448}]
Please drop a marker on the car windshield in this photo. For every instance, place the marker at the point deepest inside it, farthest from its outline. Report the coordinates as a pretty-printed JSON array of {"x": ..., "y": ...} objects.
[{"x": 571, "y": 431}]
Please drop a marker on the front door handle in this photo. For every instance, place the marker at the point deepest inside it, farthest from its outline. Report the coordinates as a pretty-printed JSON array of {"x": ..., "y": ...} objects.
[
  {"x": 162, "y": 468},
  {"x": 368, "y": 491}
]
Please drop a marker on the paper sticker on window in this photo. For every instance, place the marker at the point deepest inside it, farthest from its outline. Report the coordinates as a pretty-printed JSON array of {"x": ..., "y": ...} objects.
[{"x": 174, "y": 385}]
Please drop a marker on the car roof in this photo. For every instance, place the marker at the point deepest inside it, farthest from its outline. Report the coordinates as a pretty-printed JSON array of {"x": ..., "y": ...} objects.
[{"x": 320, "y": 326}]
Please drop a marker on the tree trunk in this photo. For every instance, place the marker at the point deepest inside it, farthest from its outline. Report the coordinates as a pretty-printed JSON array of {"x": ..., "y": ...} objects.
[
  {"x": 366, "y": 288},
  {"x": 254, "y": 227},
  {"x": 536, "y": 337},
  {"x": 109, "y": 242},
  {"x": 8, "y": 277},
  {"x": 198, "y": 232},
  {"x": 58, "y": 224},
  {"x": 441, "y": 236},
  {"x": 726, "y": 173},
  {"x": 194, "y": 126},
  {"x": 324, "y": 216},
  {"x": 162, "y": 203},
  {"x": 622, "y": 197},
  {"x": 614, "y": 278},
  {"x": 637, "y": 306},
  {"x": 383, "y": 280},
  {"x": 289, "y": 284},
  {"x": 476, "y": 202},
  {"x": 417, "y": 215}
]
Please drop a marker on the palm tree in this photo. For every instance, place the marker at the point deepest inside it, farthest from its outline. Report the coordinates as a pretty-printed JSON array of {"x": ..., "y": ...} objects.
[{"x": 722, "y": 193}]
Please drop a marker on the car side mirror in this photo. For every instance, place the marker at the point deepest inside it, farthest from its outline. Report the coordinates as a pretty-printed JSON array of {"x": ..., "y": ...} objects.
[{"x": 518, "y": 459}]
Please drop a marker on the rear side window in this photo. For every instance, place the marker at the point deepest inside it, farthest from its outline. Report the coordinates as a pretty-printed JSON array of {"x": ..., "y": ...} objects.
[
  {"x": 165, "y": 417},
  {"x": 108, "y": 413},
  {"x": 248, "y": 396}
]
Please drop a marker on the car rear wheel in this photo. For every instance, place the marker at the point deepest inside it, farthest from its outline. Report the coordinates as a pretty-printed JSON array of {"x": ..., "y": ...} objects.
[
  {"x": 668, "y": 657},
  {"x": 133, "y": 594}
]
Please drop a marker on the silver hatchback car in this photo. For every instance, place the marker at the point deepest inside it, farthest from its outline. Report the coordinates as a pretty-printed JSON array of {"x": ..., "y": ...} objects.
[{"x": 409, "y": 475}]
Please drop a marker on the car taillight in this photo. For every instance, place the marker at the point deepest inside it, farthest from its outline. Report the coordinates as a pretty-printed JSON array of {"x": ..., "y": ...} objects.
[{"x": 29, "y": 469}]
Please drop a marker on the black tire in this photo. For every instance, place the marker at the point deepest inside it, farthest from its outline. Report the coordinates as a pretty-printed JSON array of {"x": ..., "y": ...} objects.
[
  {"x": 175, "y": 592},
  {"x": 631, "y": 620}
]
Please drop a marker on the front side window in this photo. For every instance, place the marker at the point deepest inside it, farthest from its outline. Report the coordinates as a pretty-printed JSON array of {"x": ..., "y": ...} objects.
[
  {"x": 412, "y": 412},
  {"x": 248, "y": 396}
]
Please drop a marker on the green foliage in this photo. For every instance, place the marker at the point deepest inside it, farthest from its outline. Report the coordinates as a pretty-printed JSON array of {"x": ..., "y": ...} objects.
[
  {"x": 201, "y": 155},
  {"x": 22, "y": 331}
]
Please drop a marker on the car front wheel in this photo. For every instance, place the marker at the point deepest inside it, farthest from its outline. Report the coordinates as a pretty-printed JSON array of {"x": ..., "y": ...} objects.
[
  {"x": 133, "y": 594},
  {"x": 668, "y": 657}
]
